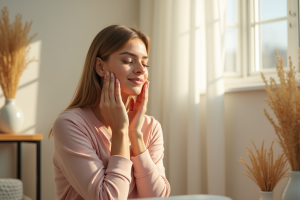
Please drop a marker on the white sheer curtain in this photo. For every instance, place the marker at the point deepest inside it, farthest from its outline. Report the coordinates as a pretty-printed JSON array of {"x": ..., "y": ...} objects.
[{"x": 186, "y": 58}]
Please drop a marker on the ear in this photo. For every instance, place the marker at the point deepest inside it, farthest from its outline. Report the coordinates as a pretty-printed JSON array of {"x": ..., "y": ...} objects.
[{"x": 99, "y": 67}]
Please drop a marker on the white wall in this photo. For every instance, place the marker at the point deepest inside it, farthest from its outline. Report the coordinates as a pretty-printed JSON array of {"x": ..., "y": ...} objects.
[
  {"x": 65, "y": 30},
  {"x": 245, "y": 121}
]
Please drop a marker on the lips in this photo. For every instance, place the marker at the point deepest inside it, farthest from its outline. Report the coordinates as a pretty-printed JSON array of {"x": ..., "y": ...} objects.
[{"x": 136, "y": 81}]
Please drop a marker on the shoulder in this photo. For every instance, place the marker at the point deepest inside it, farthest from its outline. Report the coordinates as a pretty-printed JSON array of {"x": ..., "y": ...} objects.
[
  {"x": 75, "y": 115},
  {"x": 153, "y": 127},
  {"x": 69, "y": 121},
  {"x": 151, "y": 122},
  {"x": 72, "y": 114}
]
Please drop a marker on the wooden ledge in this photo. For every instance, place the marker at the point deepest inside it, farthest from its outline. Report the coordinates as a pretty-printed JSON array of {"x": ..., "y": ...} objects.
[{"x": 18, "y": 137}]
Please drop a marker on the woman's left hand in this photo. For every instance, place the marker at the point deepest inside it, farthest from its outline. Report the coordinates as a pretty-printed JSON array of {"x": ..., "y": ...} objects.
[
  {"x": 137, "y": 110},
  {"x": 136, "y": 116}
]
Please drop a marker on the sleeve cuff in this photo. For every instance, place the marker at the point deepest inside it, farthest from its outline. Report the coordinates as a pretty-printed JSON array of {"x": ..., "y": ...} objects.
[
  {"x": 119, "y": 165},
  {"x": 142, "y": 164}
]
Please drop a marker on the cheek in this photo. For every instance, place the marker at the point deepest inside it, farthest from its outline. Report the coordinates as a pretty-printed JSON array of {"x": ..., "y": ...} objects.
[
  {"x": 146, "y": 75},
  {"x": 121, "y": 75},
  {"x": 120, "y": 72}
]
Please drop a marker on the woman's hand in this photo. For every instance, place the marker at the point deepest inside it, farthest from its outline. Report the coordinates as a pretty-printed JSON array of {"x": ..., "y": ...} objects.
[
  {"x": 111, "y": 105},
  {"x": 136, "y": 116},
  {"x": 114, "y": 113},
  {"x": 137, "y": 110}
]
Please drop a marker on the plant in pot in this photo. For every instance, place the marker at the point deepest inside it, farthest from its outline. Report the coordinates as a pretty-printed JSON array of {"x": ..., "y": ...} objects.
[
  {"x": 265, "y": 172},
  {"x": 284, "y": 100},
  {"x": 14, "y": 42}
]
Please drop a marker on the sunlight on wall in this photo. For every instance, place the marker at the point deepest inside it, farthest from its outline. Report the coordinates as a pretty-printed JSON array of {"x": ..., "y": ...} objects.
[{"x": 28, "y": 88}]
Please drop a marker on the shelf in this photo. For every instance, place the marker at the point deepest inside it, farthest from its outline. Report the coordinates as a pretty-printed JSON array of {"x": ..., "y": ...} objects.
[{"x": 18, "y": 137}]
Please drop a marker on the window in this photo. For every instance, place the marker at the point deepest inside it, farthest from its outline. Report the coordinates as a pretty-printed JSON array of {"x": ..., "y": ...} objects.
[
  {"x": 231, "y": 40},
  {"x": 254, "y": 30}
]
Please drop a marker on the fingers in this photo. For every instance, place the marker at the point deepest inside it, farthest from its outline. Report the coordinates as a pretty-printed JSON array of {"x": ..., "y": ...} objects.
[
  {"x": 105, "y": 88},
  {"x": 131, "y": 104},
  {"x": 103, "y": 92},
  {"x": 107, "y": 96},
  {"x": 140, "y": 96},
  {"x": 145, "y": 93},
  {"x": 112, "y": 89},
  {"x": 118, "y": 92}
]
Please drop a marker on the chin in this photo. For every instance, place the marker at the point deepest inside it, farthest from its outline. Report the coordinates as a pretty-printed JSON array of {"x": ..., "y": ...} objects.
[{"x": 133, "y": 91}]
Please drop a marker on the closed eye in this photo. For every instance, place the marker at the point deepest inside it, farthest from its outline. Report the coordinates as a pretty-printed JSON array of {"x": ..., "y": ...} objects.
[{"x": 128, "y": 62}]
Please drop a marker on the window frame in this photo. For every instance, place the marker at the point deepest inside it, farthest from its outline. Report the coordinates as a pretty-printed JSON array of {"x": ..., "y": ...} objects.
[
  {"x": 237, "y": 25},
  {"x": 246, "y": 79}
]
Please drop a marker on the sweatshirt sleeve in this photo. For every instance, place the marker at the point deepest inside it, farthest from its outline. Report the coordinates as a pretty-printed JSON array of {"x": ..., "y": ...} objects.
[
  {"x": 82, "y": 167},
  {"x": 149, "y": 170}
]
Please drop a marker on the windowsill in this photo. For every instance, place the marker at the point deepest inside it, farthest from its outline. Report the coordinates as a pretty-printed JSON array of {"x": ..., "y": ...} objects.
[
  {"x": 239, "y": 88},
  {"x": 251, "y": 83},
  {"x": 245, "y": 88},
  {"x": 240, "y": 84}
]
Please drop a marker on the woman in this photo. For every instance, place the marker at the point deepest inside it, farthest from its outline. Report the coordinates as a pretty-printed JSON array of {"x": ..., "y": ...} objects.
[{"x": 103, "y": 151}]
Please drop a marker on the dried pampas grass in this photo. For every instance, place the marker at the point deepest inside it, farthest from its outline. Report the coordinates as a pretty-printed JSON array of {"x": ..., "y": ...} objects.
[
  {"x": 14, "y": 43},
  {"x": 264, "y": 171},
  {"x": 284, "y": 100}
]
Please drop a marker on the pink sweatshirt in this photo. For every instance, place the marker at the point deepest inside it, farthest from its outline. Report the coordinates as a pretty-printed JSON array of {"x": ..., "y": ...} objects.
[{"x": 84, "y": 169}]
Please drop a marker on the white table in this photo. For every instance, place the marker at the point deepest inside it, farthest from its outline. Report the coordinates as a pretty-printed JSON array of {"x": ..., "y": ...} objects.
[{"x": 193, "y": 197}]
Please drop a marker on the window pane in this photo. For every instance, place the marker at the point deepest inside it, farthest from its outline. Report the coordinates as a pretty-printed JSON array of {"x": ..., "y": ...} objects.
[
  {"x": 231, "y": 12},
  {"x": 270, "y": 9},
  {"x": 273, "y": 37},
  {"x": 230, "y": 44}
]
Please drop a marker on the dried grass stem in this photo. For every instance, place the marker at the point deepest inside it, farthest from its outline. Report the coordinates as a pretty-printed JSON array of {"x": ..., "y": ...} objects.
[
  {"x": 265, "y": 172},
  {"x": 284, "y": 100},
  {"x": 14, "y": 43}
]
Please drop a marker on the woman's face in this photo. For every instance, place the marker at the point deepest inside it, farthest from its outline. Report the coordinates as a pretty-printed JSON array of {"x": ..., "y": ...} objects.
[{"x": 129, "y": 66}]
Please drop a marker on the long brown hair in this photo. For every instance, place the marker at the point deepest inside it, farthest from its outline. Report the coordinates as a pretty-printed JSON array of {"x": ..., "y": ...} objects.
[{"x": 106, "y": 42}]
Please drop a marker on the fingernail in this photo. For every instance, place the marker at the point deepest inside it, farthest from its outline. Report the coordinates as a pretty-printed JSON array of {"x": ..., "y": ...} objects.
[
  {"x": 111, "y": 75},
  {"x": 117, "y": 80},
  {"x": 107, "y": 73}
]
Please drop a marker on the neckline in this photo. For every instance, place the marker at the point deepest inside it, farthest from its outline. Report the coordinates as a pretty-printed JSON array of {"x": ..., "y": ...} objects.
[{"x": 98, "y": 124}]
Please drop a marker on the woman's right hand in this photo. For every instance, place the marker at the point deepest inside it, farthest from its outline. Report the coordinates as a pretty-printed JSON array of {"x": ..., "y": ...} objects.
[{"x": 111, "y": 105}]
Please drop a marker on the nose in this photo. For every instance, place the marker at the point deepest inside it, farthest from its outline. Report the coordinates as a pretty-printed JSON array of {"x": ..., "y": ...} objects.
[{"x": 139, "y": 69}]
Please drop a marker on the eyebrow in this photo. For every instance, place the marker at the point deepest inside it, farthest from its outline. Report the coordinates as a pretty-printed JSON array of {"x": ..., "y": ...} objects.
[{"x": 132, "y": 54}]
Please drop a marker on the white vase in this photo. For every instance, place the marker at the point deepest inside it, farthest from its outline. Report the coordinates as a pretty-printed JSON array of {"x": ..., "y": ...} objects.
[
  {"x": 292, "y": 188},
  {"x": 11, "y": 117},
  {"x": 264, "y": 195}
]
